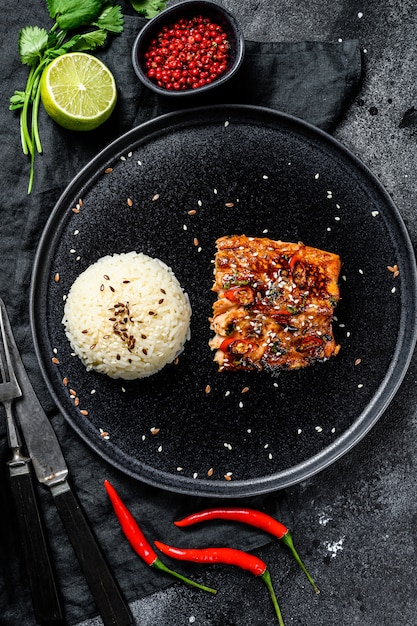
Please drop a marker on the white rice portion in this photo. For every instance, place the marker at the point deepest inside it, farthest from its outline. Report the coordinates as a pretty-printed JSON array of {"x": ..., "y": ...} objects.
[{"x": 127, "y": 316}]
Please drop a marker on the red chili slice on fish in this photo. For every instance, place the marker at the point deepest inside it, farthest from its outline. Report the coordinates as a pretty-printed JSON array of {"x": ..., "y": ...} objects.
[
  {"x": 242, "y": 294},
  {"x": 298, "y": 270},
  {"x": 311, "y": 344},
  {"x": 236, "y": 345}
]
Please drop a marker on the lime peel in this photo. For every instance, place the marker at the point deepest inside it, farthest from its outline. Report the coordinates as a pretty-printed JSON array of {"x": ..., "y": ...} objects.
[{"x": 78, "y": 91}]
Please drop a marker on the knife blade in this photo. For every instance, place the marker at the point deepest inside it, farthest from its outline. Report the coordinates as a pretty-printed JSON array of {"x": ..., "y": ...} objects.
[{"x": 51, "y": 470}]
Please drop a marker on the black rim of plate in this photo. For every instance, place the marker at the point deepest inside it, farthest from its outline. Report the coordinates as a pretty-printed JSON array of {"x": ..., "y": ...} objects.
[{"x": 405, "y": 325}]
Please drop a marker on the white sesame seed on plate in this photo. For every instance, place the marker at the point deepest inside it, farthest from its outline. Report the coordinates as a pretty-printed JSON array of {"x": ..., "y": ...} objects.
[{"x": 375, "y": 213}]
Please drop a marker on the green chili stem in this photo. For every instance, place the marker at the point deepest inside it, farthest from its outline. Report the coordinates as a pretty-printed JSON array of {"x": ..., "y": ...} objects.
[
  {"x": 266, "y": 577},
  {"x": 158, "y": 564},
  {"x": 287, "y": 540}
]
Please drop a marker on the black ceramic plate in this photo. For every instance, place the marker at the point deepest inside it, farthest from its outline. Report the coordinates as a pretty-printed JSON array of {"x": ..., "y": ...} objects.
[{"x": 242, "y": 170}]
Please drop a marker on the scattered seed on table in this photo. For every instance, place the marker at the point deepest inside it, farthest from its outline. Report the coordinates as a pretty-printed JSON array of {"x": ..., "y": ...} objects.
[
  {"x": 228, "y": 476},
  {"x": 83, "y": 412},
  {"x": 195, "y": 241},
  {"x": 155, "y": 197},
  {"x": 55, "y": 360},
  {"x": 229, "y": 205},
  {"x": 75, "y": 210},
  {"x": 245, "y": 389},
  {"x": 129, "y": 202},
  {"x": 192, "y": 212},
  {"x": 207, "y": 389},
  {"x": 358, "y": 361},
  {"x": 72, "y": 392},
  {"x": 155, "y": 431},
  {"x": 65, "y": 381},
  {"x": 56, "y": 278},
  {"x": 210, "y": 472},
  {"x": 108, "y": 170}
]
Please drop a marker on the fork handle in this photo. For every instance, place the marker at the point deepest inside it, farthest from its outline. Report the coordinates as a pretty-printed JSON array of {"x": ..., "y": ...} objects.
[{"x": 45, "y": 597}]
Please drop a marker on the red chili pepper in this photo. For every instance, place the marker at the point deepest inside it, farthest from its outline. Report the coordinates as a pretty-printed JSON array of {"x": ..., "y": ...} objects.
[
  {"x": 242, "y": 294},
  {"x": 297, "y": 269},
  {"x": 138, "y": 541},
  {"x": 228, "y": 556},
  {"x": 236, "y": 345},
  {"x": 252, "y": 517},
  {"x": 310, "y": 344}
]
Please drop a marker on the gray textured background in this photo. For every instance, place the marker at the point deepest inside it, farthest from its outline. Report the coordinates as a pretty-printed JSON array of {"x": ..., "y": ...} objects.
[{"x": 359, "y": 516}]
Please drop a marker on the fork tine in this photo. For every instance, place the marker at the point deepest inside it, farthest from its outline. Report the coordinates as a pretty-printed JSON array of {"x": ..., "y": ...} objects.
[
  {"x": 2, "y": 368},
  {"x": 6, "y": 361},
  {"x": 9, "y": 386}
]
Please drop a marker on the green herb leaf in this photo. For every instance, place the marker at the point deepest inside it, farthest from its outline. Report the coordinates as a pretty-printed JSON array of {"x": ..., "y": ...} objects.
[
  {"x": 17, "y": 100},
  {"x": 32, "y": 43},
  {"x": 148, "y": 8},
  {"x": 71, "y": 14},
  {"x": 111, "y": 19},
  {"x": 89, "y": 41}
]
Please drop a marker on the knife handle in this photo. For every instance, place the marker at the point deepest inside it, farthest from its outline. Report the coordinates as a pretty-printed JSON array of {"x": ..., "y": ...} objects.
[
  {"x": 104, "y": 588},
  {"x": 45, "y": 597}
]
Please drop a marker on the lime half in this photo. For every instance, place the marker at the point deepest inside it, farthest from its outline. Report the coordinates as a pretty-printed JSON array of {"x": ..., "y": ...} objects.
[{"x": 78, "y": 91}]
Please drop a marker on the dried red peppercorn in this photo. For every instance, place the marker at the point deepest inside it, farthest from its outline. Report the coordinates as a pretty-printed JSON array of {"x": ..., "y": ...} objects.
[{"x": 190, "y": 53}]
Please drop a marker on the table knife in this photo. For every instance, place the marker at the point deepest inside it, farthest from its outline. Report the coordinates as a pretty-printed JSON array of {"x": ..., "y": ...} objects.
[{"x": 51, "y": 470}]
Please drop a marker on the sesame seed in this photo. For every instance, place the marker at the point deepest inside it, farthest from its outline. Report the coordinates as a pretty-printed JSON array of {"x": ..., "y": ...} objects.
[
  {"x": 207, "y": 389},
  {"x": 195, "y": 475},
  {"x": 155, "y": 197},
  {"x": 210, "y": 472},
  {"x": 84, "y": 412},
  {"x": 108, "y": 170},
  {"x": 129, "y": 202},
  {"x": 55, "y": 360},
  {"x": 56, "y": 278}
]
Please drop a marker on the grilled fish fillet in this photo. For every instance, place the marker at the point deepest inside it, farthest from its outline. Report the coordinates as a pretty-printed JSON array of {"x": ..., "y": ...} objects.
[{"x": 275, "y": 304}]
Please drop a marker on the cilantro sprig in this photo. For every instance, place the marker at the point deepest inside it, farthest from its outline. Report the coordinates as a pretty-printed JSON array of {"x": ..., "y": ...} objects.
[
  {"x": 79, "y": 25},
  {"x": 148, "y": 8}
]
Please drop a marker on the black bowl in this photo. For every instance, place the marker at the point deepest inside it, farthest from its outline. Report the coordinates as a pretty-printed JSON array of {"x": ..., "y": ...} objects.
[{"x": 189, "y": 9}]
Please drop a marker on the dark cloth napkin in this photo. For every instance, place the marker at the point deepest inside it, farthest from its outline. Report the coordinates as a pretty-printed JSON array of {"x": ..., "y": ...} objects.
[{"x": 313, "y": 80}]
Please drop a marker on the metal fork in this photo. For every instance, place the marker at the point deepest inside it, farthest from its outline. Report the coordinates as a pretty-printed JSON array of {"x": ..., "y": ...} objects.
[{"x": 45, "y": 598}]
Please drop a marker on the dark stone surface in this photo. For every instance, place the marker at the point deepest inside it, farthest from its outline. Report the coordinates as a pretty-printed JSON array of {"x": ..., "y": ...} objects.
[{"x": 356, "y": 521}]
